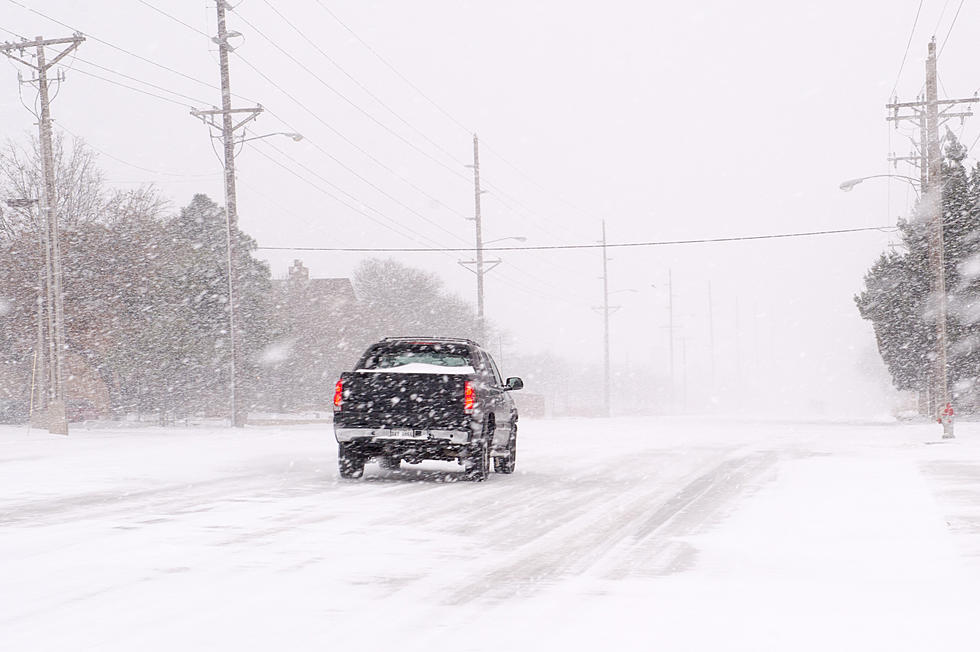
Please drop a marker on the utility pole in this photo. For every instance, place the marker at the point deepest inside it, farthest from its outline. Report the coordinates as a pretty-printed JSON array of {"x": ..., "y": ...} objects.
[
  {"x": 480, "y": 264},
  {"x": 670, "y": 337},
  {"x": 711, "y": 333},
  {"x": 605, "y": 319},
  {"x": 57, "y": 416},
  {"x": 927, "y": 114},
  {"x": 227, "y": 128}
]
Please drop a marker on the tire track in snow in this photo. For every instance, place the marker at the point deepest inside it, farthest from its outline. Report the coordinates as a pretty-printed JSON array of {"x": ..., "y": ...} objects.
[{"x": 620, "y": 528}]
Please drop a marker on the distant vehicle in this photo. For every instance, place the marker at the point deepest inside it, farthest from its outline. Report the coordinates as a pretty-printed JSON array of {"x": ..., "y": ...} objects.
[{"x": 413, "y": 399}]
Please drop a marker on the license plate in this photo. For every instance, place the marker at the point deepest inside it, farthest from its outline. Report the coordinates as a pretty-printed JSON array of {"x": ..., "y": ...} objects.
[{"x": 405, "y": 434}]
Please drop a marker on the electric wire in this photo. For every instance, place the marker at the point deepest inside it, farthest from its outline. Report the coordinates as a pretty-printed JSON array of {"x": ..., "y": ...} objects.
[
  {"x": 360, "y": 85},
  {"x": 942, "y": 13},
  {"x": 353, "y": 104},
  {"x": 140, "y": 81},
  {"x": 612, "y": 245},
  {"x": 389, "y": 196},
  {"x": 393, "y": 227},
  {"x": 157, "y": 64},
  {"x": 382, "y": 215},
  {"x": 133, "y": 88},
  {"x": 175, "y": 19},
  {"x": 907, "y": 47},
  {"x": 393, "y": 69},
  {"x": 303, "y": 106},
  {"x": 22, "y": 38},
  {"x": 338, "y": 133},
  {"x": 518, "y": 286},
  {"x": 950, "y": 31},
  {"x": 563, "y": 226},
  {"x": 391, "y": 224},
  {"x": 61, "y": 125}
]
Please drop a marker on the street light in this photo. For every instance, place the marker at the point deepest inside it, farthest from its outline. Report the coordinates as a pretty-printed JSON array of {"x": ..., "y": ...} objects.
[
  {"x": 848, "y": 185},
  {"x": 21, "y": 203},
  {"x": 288, "y": 134},
  {"x": 519, "y": 238}
]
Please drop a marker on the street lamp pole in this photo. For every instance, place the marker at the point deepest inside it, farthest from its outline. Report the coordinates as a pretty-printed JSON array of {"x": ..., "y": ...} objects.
[{"x": 849, "y": 184}]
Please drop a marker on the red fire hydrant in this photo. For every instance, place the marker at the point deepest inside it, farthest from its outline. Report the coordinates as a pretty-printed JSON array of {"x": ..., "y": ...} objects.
[{"x": 946, "y": 421}]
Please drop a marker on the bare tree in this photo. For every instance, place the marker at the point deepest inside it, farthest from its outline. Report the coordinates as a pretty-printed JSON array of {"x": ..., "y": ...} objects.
[{"x": 79, "y": 184}]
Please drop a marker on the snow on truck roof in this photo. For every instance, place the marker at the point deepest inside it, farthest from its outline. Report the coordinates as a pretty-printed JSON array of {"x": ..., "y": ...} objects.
[{"x": 421, "y": 368}]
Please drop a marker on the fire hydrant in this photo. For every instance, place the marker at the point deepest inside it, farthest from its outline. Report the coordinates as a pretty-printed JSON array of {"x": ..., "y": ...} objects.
[{"x": 946, "y": 421}]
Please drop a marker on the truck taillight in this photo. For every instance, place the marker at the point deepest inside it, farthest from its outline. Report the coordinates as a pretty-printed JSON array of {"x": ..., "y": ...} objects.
[
  {"x": 338, "y": 395},
  {"x": 469, "y": 397}
]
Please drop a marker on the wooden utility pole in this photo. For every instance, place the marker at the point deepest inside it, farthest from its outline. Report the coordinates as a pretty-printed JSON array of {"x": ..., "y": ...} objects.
[
  {"x": 670, "y": 337},
  {"x": 711, "y": 333},
  {"x": 226, "y": 130},
  {"x": 478, "y": 221},
  {"x": 480, "y": 265},
  {"x": 57, "y": 416},
  {"x": 928, "y": 114},
  {"x": 605, "y": 320}
]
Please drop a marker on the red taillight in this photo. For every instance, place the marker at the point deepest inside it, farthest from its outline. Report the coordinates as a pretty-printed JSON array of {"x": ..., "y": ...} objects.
[
  {"x": 338, "y": 395},
  {"x": 469, "y": 397}
]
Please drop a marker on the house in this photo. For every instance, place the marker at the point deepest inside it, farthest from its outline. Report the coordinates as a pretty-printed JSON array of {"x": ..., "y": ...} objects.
[{"x": 312, "y": 344}]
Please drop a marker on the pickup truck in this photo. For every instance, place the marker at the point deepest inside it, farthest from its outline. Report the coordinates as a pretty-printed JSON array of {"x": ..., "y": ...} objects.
[{"x": 415, "y": 398}]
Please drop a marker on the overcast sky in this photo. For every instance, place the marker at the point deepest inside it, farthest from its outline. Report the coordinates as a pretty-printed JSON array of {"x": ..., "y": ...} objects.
[{"x": 668, "y": 120}]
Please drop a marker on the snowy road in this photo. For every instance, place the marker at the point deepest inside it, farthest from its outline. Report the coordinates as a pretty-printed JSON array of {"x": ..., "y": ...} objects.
[{"x": 673, "y": 534}]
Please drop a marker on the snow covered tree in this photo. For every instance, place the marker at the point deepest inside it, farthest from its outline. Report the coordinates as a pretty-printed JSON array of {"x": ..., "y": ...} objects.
[{"x": 898, "y": 297}]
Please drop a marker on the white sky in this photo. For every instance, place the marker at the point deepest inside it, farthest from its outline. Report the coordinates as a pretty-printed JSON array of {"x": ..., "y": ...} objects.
[{"x": 670, "y": 121}]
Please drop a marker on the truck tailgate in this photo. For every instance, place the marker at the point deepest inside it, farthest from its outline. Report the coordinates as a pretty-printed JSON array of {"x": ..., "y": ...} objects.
[{"x": 380, "y": 399}]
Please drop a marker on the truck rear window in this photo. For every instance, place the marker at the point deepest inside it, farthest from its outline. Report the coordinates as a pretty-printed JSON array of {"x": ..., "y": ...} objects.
[{"x": 418, "y": 356}]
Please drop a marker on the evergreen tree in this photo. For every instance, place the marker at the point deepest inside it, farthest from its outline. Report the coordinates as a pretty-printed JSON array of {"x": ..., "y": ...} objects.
[{"x": 899, "y": 298}]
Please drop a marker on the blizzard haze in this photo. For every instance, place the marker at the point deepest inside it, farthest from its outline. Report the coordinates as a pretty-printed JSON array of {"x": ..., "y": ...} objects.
[
  {"x": 666, "y": 120},
  {"x": 758, "y": 483}
]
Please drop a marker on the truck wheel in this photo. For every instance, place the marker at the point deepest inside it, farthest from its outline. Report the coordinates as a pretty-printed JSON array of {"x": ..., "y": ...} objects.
[
  {"x": 477, "y": 464},
  {"x": 349, "y": 464},
  {"x": 389, "y": 463},
  {"x": 506, "y": 464}
]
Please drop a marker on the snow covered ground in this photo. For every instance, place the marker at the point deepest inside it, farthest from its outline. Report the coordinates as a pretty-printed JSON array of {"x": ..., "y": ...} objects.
[{"x": 629, "y": 533}]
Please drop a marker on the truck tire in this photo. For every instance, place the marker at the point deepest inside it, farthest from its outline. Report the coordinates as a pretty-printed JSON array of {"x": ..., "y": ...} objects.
[
  {"x": 349, "y": 464},
  {"x": 389, "y": 463},
  {"x": 507, "y": 463},
  {"x": 476, "y": 467}
]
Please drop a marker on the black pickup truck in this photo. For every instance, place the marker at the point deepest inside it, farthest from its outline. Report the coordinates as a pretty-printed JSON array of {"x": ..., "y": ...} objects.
[{"x": 412, "y": 399}]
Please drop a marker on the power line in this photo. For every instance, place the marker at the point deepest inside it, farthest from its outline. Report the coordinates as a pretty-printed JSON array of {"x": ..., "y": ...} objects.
[
  {"x": 123, "y": 50},
  {"x": 391, "y": 227},
  {"x": 942, "y": 13},
  {"x": 393, "y": 69},
  {"x": 619, "y": 245},
  {"x": 950, "y": 31},
  {"x": 907, "y": 46},
  {"x": 23, "y": 38},
  {"x": 360, "y": 85},
  {"x": 352, "y": 197},
  {"x": 454, "y": 120},
  {"x": 140, "y": 81},
  {"x": 353, "y": 104},
  {"x": 175, "y": 19},
  {"x": 316, "y": 116},
  {"x": 61, "y": 125},
  {"x": 133, "y": 88}
]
